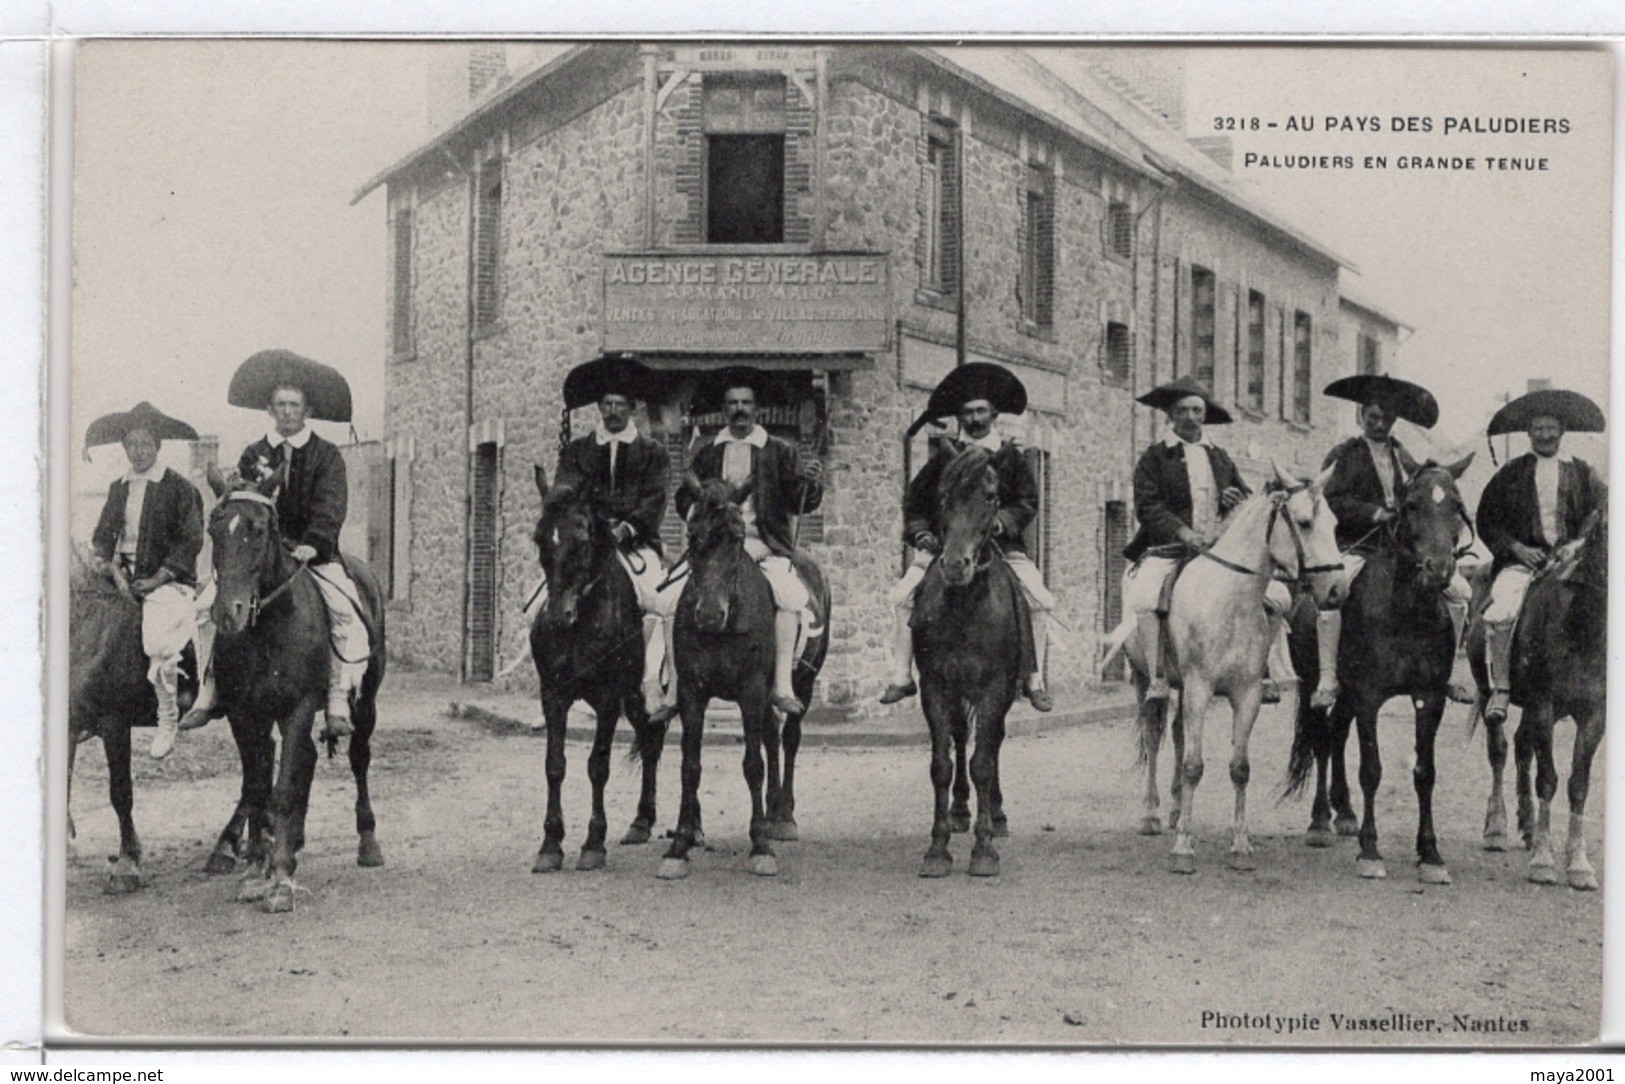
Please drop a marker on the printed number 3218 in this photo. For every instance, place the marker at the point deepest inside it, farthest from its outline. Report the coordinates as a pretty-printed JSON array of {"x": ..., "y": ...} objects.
[{"x": 1235, "y": 124}]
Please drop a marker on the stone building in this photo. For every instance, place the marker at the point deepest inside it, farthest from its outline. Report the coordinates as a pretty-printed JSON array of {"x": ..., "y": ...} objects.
[{"x": 857, "y": 219}]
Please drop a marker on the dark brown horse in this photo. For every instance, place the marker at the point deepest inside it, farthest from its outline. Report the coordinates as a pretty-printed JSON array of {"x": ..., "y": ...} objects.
[
  {"x": 724, "y": 648},
  {"x": 108, "y": 693},
  {"x": 1398, "y": 640},
  {"x": 587, "y": 643},
  {"x": 1559, "y": 670},
  {"x": 271, "y": 661},
  {"x": 969, "y": 649}
]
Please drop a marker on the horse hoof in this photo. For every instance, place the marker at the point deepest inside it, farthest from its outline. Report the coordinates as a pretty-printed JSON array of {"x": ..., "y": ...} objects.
[
  {"x": 1543, "y": 874},
  {"x": 1584, "y": 880},
  {"x": 590, "y": 860},
  {"x": 1151, "y": 826},
  {"x": 1496, "y": 843},
  {"x": 984, "y": 865},
  {"x": 1241, "y": 863},
  {"x": 783, "y": 831},
  {"x": 764, "y": 865},
  {"x": 672, "y": 869},
  {"x": 1433, "y": 875},
  {"x": 254, "y": 891},
  {"x": 279, "y": 900},
  {"x": 1371, "y": 869},
  {"x": 219, "y": 863},
  {"x": 958, "y": 822},
  {"x": 937, "y": 865},
  {"x": 638, "y": 833},
  {"x": 1183, "y": 864},
  {"x": 1001, "y": 828},
  {"x": 1318, "y": 837},
  {"x": 122, "y": 884},
  {"x": 1348, "y": 826},
  {"x": 548, "y": 862},
  {"x": 368, "y": 854}
]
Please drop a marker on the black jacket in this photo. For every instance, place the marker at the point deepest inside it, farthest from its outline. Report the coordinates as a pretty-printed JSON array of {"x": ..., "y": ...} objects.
[
  {"x": 1162, "y": 493},
  {"x": 171, "y": 533},
  {"x": 638, "y": 496},
  {"x": 1509, "y": 510},
  {"x": 312, "y": 506},
  {"x": 1354, "y": 492},
  {"x": 1018, "y": 494},
  {"x": 777, "y": 488}
]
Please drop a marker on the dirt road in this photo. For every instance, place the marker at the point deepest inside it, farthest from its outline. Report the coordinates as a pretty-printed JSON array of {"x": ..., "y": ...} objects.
[{"x": 1084, "y": 938}]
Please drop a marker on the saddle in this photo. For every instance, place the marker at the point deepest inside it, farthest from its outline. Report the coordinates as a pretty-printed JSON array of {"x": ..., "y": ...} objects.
[{"x": 931, "y": 606}]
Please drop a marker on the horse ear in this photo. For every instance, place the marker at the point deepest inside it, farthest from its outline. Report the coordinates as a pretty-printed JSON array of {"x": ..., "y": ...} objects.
[
  {"x": 1282, "y": 478},
  {"x": 691, "y": 484},
  {"x": 275, "y": 482},
  {"x": 216, "y": 480},
  {"x": 1459, "y": 467},
  {"x": 541, "y": 480},
  {"x": 1325, "y": 476}
]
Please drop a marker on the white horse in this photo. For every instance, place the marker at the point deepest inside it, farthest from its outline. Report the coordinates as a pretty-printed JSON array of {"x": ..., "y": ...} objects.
[{"x": 1220, "y": 638}]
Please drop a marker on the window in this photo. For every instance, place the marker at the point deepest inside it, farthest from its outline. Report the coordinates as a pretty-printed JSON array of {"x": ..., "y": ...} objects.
[
  {"x": 1037, "y": 284},
  {"x": 1120, "y": 229},
  {"x": 744, "y": 125},
  {"x": 941, "y": 208},
  {"x": 1203, "y": 324},
  {"x": 1302, "y": 358},
  {"x": 484, "y": 516},
  {"x": 1369, "y": 357},
  {"x": 488, "y": 246},
  {"x": 1119, "y": 351},
  {"x": 401, "y": 317},
  {"x": 1252, "y": 387}
]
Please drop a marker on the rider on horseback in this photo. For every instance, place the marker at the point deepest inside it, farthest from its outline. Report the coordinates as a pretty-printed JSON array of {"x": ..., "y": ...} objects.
[
  {"x": 1533, "y": 514},
  {"x": 773, "y": 485},
  {"x": 977, "y": 394},
  {"x": 1367, "y": 472},
  {"x": 1183, "y": 485},
  {"x": 621, "y": 475},
  {"x": 148, "y": 540},
  {"x": 310, "y": 508}
]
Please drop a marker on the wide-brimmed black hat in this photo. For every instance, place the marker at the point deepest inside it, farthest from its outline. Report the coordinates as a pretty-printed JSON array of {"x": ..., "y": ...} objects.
[
  {"x": 1401, "y": 398},
  {"x": 592, "y": 380},
  {"x": 968, "y": 383},
  {"x": 1164, "y": 396},
  {"x": 327, "y": 393},
  {"x": 1576, "y": 413},
  {"x": 113, "y": 428}
]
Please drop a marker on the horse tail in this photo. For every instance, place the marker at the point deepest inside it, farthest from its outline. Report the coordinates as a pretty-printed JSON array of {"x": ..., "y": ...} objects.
[
  {"x": 647, "y": 734},
  {"x": 1306, "y": 735},
  {"x": 1114, "y": 645},
  {"x": 1150, "y": 724}
]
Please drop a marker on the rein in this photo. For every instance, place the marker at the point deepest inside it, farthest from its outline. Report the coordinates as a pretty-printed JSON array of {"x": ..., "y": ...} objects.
[{"x": 1277, "y": 505}]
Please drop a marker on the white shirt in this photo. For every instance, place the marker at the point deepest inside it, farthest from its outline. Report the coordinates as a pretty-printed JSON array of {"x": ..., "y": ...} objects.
[
  {"x": 625, "y": 436},
  {"x": 131, "y": 535},
  {"x": 1204, "y": 491},
  {"x": 992, "y": 442},
  {"x": 1548, "y": 469},
  {"x": 298, "y": 440},
  {"x": 1382, "y": 456},
  {"x": 736, "y": 468}
]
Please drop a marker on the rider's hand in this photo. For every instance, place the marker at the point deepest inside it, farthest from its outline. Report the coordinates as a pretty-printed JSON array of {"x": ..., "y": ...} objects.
[
  {"x": 1191, "y": 540},
  {"x": 1230, "y": 496},
  {"x": 624, "y": 533},
  {"x": 1384, "y": 515},
  {"x": 1567, "y": 550},
  {"x": 812, "y": 470},
  {"x": 147, "y": 585},
  {"x": 1528, "y": 555},
  {"x": 927, "y": 541},
  {"x": 304, "y": 554}
]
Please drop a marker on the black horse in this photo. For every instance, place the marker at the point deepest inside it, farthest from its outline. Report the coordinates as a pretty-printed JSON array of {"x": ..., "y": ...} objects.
[
  {"x": 969, "y": 648},
  {"x": 1559, "y": 670},
  {"x": 108, "y": 693},
  {"x": 587, "y": 645},
  {"x": 724, "y": 646},
  {"x": 1398, "y": 640},
  {"x": 271, "y": 662}
]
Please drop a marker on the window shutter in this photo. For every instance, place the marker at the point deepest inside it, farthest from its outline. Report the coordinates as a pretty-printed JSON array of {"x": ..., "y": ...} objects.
[
  {"x": 402, "y": 315},
  {"x": 488, "y": 245}
]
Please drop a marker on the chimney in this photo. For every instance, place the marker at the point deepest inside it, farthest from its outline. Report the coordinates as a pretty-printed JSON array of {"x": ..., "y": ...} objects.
[
  {"x": 487, "y": 68},
  {"x": 1218, "y": 148},
  {"x": 1540, "y": 383}
]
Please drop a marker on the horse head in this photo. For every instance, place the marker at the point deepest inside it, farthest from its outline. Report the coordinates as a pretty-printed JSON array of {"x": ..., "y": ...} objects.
[
  {"x": 967, "y": 502},
  {"x": 1431, "y": 515},
  {"x": 568, "y": 540},
  {"x": 247, "y": 547},
  {"x": 1308, "y": 547},
  {"x": 716, "y": 526}
]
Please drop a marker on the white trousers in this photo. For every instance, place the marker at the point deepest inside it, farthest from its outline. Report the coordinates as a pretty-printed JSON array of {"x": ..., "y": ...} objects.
[
  {"x": 1142, "y": 587},
  {"x": 1507, "y": 592},
  {"x": 789, "y": 593},
  {"x": 1031, "y": 579},
  {"x": 348, "y": 634}
]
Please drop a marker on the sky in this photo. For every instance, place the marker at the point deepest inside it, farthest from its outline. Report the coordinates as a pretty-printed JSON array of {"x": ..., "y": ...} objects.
[{"x": 213, "y": 180}]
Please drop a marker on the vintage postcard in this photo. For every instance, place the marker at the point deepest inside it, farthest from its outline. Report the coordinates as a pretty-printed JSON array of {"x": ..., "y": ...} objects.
[{"x": 995, "y": 341}]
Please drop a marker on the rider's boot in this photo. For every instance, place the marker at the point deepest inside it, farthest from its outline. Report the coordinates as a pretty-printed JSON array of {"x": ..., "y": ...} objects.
[
  {"x": 1037, "y": 695},
  {"x": 202, "y": 709},
  {"x": 786, "y": 623},
  {"x": 1329, "y": 631},
  {"x": 902, "y": 679},
  {"x": 1499, "y": 637},
  {"x": 163, "y": 684},
  {"x": 1150, "y": 629},
  {"x": 1457, "y": 691}
]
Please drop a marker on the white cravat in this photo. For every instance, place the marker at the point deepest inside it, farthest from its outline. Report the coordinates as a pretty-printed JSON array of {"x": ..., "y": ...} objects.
[
  {"x": 298, "y": 440},
  {"x": 1383, "y": 457},
  {"x": 133, "y": 503},
  {"x": 625, "y": 436},
  {"x": 736, "y": 468},
  {"x": 1204, "y": 492},
  {"x": 991, "y": 442},
  {"x": 1548, "y": 470}
]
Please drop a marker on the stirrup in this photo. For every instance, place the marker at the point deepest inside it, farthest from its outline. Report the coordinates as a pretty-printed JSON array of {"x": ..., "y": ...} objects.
[
  {"x": 1325, "y": 697},
  {"x": 1040, "y": 698},
  {"x": 788, "y": 705},
  {"x": 895, "y": 693},
  {"x": 665, "y": 713},
  {"x": 1269, "y": 691},
  {"x": 1496, "y": 710},
  {"x": 1460, "y": 693}
]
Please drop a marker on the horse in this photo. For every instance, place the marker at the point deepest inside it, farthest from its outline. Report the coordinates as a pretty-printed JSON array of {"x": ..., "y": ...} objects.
[
  {"x": 1398, "y": 641},
  {"x": 1559, "y": 669},
  {"x": 1220, "y": 637},
  {"x": 586, "y": 642},
  {"x": 271, "y": 664},
  {"x": 108, "y": 694},
  {"x": 969, "y": 648},
  {"x": 723, "y": 638}
]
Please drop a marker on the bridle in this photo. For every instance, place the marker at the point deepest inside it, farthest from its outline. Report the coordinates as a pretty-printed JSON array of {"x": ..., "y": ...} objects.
[
  {"x": 256, "y": 602},
  {"x": 1278, "y": 502},
  {"x": 1393, "y": 526}
]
